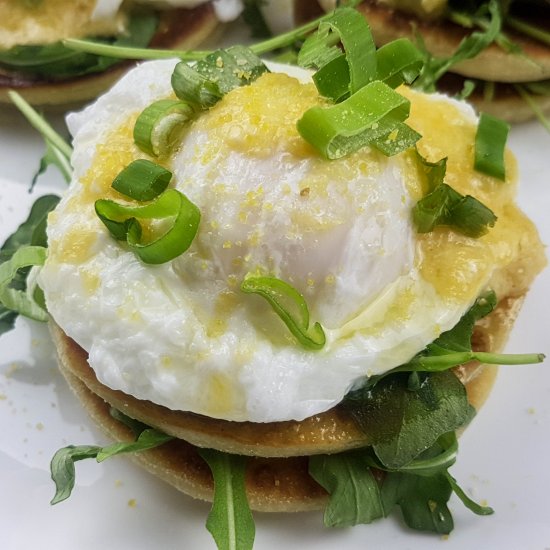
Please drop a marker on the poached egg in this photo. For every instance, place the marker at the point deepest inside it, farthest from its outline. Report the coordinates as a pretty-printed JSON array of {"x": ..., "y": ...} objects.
[{"x": 183, "y": 335}]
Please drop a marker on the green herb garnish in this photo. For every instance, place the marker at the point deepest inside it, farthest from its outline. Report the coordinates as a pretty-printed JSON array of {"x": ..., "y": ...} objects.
[
  {"x": 365, "y": 118},
  {"x": 354, "y": 492},
  {"x": 156, "y": 125},
  {"x": 445, "y": 206},
  {"x": 468, "y": 48},
  {"x": 181, "y": 219},
  {"x": 13, "y": 299},
  {"x": 62, "y": 464},
  {"x": 230, "y": 520},
  {"x": 290, "y": 306},
  {"x": 60, "y": 62},
  {"x": 142, "y": 180},
  {"x": 491, "y": 137},
  {"x": 218, "y": 73}
]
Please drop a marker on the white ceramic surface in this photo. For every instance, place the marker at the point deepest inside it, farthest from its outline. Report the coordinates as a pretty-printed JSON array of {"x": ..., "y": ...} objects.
[{"x": 503, "y": 457}]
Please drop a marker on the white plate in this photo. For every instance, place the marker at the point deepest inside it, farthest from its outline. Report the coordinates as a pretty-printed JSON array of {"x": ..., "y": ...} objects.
[{"x": 503, "y": 458}]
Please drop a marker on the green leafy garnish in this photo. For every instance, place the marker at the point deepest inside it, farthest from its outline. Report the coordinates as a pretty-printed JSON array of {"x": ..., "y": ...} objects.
[
  {"x": 354, "y": 493},
  {"x": 361, "y": 489},
  {"x": 230, "y": 520},
  {"x": 58, "y": 61},
  {"x": 63, "y": 471},
  {"x": 433, "y": 173},
  {"x": 62, "y": 465},
  {"x": 181, "y": 221},
  {"x": 156, "y": 125},
  {"x": 218, "y": 73},
  {"x": 365, "y": 118},
  {"x": 445, "y": 206},
  {"x": 459, "y": 338},
  {"x": 352, "y": 69},
  {"x": 398, "y": 62},
  {"x": 14, "y": 299},
  {"x": 402, "y": 423},
  {"x": 490, "y": 144},
  {"x": 290, "y": 306},
  {"x": 142, "y": 180},
  {"x": 423, "y": 501},
  {"x": 469, "y": 47}
]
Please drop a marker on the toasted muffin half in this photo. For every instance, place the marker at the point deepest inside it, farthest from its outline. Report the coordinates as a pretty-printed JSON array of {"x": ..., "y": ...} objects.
[{"x": 277, "y": 477}]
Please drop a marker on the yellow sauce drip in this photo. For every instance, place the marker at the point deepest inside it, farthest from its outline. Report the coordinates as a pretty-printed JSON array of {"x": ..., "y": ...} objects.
[
  {"x": 457, "y": 266},
  {"x": 261, "y": 119},
  {"x": 75, "y": 247},
  {"x": 112, "y": 155}
]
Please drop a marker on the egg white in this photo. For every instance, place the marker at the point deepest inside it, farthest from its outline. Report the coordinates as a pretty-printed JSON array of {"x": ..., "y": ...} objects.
[{"x": 158, "y": 332}]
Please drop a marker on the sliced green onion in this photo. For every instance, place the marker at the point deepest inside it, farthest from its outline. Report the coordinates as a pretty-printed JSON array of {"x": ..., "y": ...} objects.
[
  {"x": 433, "y": 172},
  {"x": 173, "y": 207},
  {"x": 445, "y": 206},
  {"x": 399, "y": 139},
  {"x": 142, "y": 180},
  {"x": 360, "y": 54},
  {"x": 368, "y": 115},
  {"x": 191, "y": 86},
  {"x": 21, "y": 301},
  {"x": 290, "y": 306},
  {"x": 491, "y": 137},
  {"x": 332, "y": 80},
  {"x": 218, "y": 73},
  {"x": 156, "y": 125},
  {"x": 398, "y": 62}
]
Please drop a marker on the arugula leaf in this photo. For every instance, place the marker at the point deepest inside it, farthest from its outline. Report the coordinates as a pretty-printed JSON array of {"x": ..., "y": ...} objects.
[
  {"x": 147, "y": 439},
  {"x": 423, "y": 500},
  {"x": 62, "y": 467},
  {"x": 469, "y": 47},
  {"x": 31, "y": 232},
  {"x": 459, "y": 338},
  {"x": 403, "y": 423},
  {"x": 13, "y": 298},
  {"x": 230, "y": 520},
  {"x": 58, "y": 61},
  {"x": 354, "y": 492},
  {"x": 63, "y": 471}
]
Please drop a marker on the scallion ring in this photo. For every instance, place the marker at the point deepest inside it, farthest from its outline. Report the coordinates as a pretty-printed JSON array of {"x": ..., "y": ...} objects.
[
  {"x": 156, "y": 125},
  {"x": 142, "y": 180},
  {"x": 290, "y": 306},
  {"x": 491, "y": 137},
  {"x": 173, "y": 207},
  {"x": 366, "y": 117}
]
